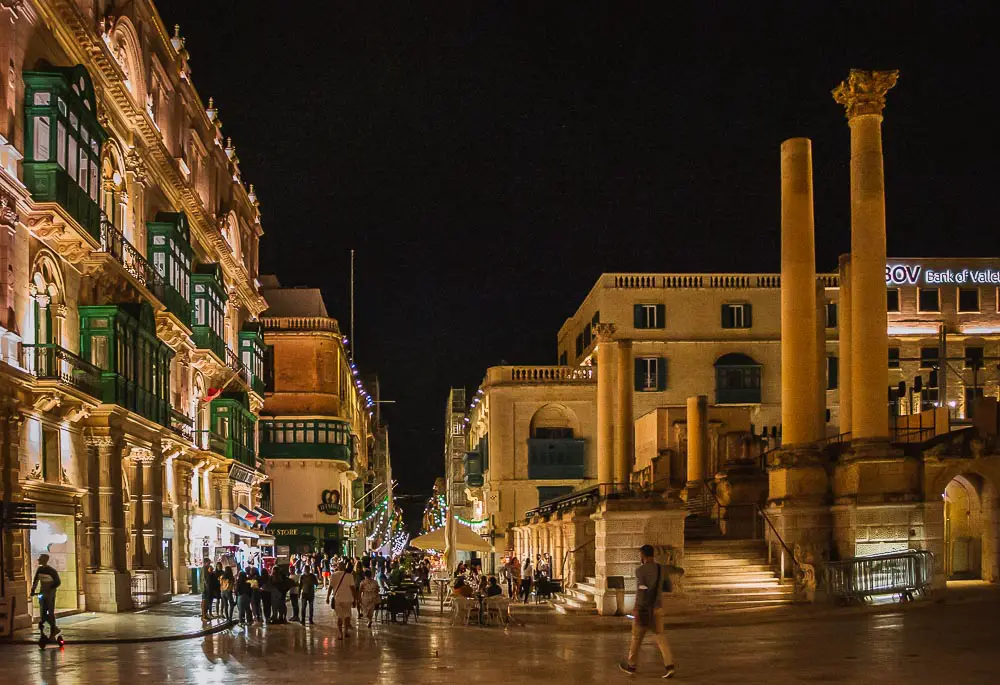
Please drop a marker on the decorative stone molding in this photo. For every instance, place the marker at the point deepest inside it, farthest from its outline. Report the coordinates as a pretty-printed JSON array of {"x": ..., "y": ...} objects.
[
  {"x": 142, "y": 455},
  {"x": 77, "y": 413},
  {"x": 46, "y": 402},
  {"x": 99, "y": 440},
  {"x": 8, "y": 213},
  {"x": 864, "y": 91},
  {"x": 604, "y": 332},
  {"x": 135, "y": 164}
]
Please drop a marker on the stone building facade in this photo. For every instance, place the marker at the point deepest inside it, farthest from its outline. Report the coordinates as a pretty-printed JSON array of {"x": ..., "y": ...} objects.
[
  {"x": 132, "y": 369},
  {"x": 318, "y": 436}
]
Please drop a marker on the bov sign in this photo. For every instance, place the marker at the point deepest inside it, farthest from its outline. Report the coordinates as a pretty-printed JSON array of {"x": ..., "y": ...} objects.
[{"x": 916, "y": 274}]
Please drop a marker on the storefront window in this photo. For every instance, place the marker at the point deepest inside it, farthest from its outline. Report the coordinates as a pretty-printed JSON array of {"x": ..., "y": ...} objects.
[{"x": 56, "y": 536}]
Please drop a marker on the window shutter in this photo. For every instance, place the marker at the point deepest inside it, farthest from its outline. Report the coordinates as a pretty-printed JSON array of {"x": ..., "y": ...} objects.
[
  {"x": 661, "y": 373},
  {"x": 748, "y": 315},
  {"x": 661, "y": 316},
  {"x": 640, "y": 372},
  {"x": 727, "y": 316},
  {"x": 832, "y": 372},
  {"x": 637, "y": 316}
]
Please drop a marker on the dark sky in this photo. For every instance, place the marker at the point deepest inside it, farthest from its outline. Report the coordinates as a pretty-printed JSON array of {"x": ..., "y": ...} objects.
[{"x": 489, "y": 163}]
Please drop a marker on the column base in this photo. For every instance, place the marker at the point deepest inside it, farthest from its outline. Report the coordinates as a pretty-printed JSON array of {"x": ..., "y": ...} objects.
[
  {"x": 108, "y": 591},
  {"x": 798, "y": 475}
]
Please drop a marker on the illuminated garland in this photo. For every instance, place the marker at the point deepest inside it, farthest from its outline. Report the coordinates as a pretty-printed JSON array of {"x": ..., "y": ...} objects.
[{"x": 349, "y": 524}]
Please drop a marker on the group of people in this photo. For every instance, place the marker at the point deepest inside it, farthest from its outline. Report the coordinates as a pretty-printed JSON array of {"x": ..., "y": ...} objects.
[
  {"x": 521, "y": 578},
  {"x": 470, "y": 581},
  {"x": 255, "y": 595}
]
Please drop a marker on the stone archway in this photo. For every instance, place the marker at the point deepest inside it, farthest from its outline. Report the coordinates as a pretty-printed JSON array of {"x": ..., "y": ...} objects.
[{"x": 971, "y": 521}]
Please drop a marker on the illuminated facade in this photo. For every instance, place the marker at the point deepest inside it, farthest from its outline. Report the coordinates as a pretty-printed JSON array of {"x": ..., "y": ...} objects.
[
  {"x": 318, "y": 434},
  {"x": 132, "y": 368}
]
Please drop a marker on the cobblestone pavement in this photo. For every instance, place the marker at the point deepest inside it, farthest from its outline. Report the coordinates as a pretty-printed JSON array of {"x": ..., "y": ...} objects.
[{"x": 944, "y": 643}]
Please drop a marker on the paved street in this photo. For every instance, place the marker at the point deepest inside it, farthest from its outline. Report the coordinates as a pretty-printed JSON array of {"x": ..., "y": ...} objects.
[{"x": 936, "y": 644}]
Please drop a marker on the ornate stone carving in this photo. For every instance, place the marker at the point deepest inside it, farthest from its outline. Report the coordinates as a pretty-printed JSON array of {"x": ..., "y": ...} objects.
[
  {"x": 135, "y": 164},
  {"x": 141, "y": 455},
  {"x": 604, "y": 332},
  {"x": 805, "y": 572},
  {"x": 77, "y": 413},
  {"x": 99, "y": 440},
  {"x": 864, "y": 91},
  {"x": 47, "y": 402},
  {"x": 8, "y": 213}
]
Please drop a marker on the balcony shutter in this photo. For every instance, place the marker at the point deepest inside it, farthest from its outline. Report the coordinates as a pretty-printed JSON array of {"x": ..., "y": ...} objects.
[
  {"x": 727, "y": 316},
  {"x": 637, "y": 316},
  {"x": 661, "y": 316},
  {"x": 661, "y": 373},
  {"x": 748, "y": 315},
  {"x": 640, "y": 372}
]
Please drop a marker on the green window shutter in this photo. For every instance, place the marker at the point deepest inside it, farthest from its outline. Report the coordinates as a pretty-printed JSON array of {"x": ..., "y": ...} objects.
[
  {"x": 661, "y": 316},
  {"x": 637, "y": 316},
  {"x": 661, "y": 373},
  {"x": 727, "y": 316},
  {"x": 640, "y": 371},
  {"x": 832, "y": 373},
  {"x": 748, "y": 315}
]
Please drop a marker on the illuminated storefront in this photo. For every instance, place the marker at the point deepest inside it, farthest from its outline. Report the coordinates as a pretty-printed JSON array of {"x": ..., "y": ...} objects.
[{"x": 56, "y": 536}]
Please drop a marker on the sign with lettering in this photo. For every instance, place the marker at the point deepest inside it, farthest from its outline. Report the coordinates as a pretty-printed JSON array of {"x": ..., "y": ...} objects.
[
  {"x": 917, "y": 274},
  {"x": 331, "y": 502}
]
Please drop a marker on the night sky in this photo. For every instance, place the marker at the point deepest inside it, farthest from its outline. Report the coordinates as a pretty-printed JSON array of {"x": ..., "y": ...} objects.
[{"x": 488, "y": 164}]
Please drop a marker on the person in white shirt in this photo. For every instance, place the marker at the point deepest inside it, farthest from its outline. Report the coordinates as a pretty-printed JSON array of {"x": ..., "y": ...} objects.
[{"x": 345, "y": 595}]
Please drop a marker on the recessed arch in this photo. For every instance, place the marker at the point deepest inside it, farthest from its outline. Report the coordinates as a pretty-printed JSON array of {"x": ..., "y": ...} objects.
[
  {"x": 124, "y": 44},
  {"x": 47, "y": 277},
  {"x": 554, "y": 421}
]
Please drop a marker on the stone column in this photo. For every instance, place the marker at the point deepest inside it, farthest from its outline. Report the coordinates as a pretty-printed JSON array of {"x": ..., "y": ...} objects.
[
  {"x": 182, "y": 516},
  {"x": 604, "y": 332},
  {"x": 798, "y": 295},
  {"x": 697, "y": 439},
  {"x": 108, "y": 582},
  {"x": 844, "y": 336},
  {"x": 624, "y": 430},
  {"x": 863, "y": 97},
  {"x": 12, "y": 543},
  {"x": 821, "y": 384}
]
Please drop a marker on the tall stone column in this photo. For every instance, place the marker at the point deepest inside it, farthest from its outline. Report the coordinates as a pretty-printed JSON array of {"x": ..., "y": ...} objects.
[
  {"x": 108, "y": 584},
  {"x": 863, "y": 97},
  {"x": 798, "y": 295},
  {"x": 697, "y": 439},
  {"x": 820, "y": 407},
  {"x": 182, "y": 517},
  {"x": 12, "y": 543},
  {"x": 624, "y": 429},
  {"x": 844, "y": 335},
  {"x": 604, "y": 332}
]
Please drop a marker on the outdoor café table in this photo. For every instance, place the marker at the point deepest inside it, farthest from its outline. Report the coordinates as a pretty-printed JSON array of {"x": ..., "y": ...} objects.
[{"x": 442, "y": 584}]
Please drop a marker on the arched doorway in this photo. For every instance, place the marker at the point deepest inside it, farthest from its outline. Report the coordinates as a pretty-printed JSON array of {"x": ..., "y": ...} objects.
[{"x": 971, "y": 520}]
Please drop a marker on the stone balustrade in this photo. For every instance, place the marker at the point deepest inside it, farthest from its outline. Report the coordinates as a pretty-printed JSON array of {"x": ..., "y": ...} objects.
[
  {"x": 506, "y": 375},
  {"x": 724, "y": 281},
  {"x": 300, "y": 323}
]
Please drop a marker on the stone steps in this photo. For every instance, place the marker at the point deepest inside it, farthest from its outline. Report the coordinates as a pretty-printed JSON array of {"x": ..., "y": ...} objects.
[{"x": 732, "y": 575}]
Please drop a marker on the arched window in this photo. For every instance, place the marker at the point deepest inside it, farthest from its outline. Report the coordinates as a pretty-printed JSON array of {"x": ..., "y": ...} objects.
[{"x": 737, "y": 379}]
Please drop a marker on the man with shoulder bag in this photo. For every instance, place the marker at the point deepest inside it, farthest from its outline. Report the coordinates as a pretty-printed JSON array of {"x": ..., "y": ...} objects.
[{"x": 651, "y": 580}]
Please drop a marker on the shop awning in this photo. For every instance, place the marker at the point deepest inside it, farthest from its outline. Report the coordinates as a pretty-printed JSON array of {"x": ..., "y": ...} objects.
[{"x": 465, "y": 540}]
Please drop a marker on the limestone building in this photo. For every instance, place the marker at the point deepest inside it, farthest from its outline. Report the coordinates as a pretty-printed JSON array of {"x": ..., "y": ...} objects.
[
  {"x": 318, "y": 436},
  {"x": 454, "y": 451},
  {"x": 131, "y": 372}
]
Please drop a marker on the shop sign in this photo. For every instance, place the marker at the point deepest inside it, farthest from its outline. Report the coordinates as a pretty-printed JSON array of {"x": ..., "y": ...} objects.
[
  {"x": 330, "y": 503},
  {"x": 917, "y": 274}
]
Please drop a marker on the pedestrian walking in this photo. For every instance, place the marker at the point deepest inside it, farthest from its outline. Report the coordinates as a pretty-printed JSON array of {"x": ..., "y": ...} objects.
[
  {"x": 227, "y": 585},
  {"x": 243, "y": 593},
  {"x": 527, "y": 572},
  {"x": 307, "y": 592},
  {"x": 255, "y": 595},
  {"x": 651, "y": 581},
  {"x": 370, "y": 598},
  {"x": 45, "y": 583},
  {"x": 208, "y": 581},
  {"x": 293, "y": 589},
  {"x": 265, "y": 594},
  {"x": 345, "y": 595}
]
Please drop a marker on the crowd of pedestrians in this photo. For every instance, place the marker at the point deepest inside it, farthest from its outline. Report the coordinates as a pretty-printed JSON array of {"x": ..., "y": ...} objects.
[{"x": 256, "y": 595}]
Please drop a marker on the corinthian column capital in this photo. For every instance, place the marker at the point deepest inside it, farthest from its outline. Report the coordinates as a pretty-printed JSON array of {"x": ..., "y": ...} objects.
[
  {"x": 864, "y": 91},
  {"x": 604, "y": 332}
]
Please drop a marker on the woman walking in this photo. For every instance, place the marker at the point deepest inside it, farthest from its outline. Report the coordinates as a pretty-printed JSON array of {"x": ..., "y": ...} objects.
[
  {"x": 243, "y": 598},
  {"x": 345, "y": 596},
  {"x": 227, "y": 586},
  {"x": 369, "y": 598}
]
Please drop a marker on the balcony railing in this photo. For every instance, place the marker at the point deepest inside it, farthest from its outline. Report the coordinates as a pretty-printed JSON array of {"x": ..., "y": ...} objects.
[
  {"x": 182, "y": 425},
  {"x": 556, "y": 459},
  {"x": 497, "y": 375},
  {"x": 115, "y": 244},
  {"x": 52, "y": 362},
  {"x": 210, "y": 441},
  {"x": 234, "y": 362}
]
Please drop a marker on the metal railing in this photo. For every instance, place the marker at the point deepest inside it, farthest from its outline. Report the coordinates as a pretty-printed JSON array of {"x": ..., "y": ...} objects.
[
  {"x": 858, "y": 579},
  {"x": 115, "y": 244},
  {"x": 52, "y": 362},
  {"x": 786, "y": 551},
  {"x": 210, "y": 441},
  {"x": 182, "y": 424},
  {"x": 570, "y": 578},
  {"x": 238, "y": 367}
]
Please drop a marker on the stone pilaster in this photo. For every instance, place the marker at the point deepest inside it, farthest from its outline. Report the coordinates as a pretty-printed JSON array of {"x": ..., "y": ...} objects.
[
  {"x": 622, "y": 526},
  {"x": 697, "y": 440},
  {"x": 798, "y": 295},
  {"x": 844, "y": 336},
  {"x": 182, "y": 518},
  {"x": 624, "y": 429},
  {"x": 863, "y": 97},
  {"x": 108, "y": 584},
  {"x": 604, "y": 332},
  {"x": 13, "y": 543},
  {"x": 819, "y": 408}
]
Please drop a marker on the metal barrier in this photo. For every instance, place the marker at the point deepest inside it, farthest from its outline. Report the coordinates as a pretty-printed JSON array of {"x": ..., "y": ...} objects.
[{"x": 896, "y": 573}]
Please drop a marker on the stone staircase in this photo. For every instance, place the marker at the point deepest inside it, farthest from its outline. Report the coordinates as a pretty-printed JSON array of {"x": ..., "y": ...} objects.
[
  {"x": 732, "y": 574},
  {"x": 577, "y": 600}
]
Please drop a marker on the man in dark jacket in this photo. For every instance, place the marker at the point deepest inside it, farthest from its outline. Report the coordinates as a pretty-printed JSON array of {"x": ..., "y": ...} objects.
[
  {"x": 45, "y": 583},
  {"x": 648, "y": 613}
]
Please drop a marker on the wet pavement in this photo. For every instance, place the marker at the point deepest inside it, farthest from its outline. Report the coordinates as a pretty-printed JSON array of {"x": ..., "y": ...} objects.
[{"x": 951, "y": 643}]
